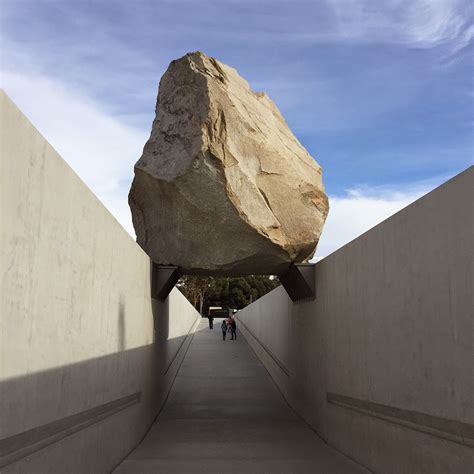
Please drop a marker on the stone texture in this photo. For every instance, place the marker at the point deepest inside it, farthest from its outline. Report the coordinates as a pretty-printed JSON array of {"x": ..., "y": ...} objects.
[{"x": 223, "y": 186}]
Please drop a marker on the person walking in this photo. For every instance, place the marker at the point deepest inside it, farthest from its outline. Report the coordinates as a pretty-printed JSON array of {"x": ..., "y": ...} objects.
[
  {"x": 224, "y": 329},
  {"x": 233, "y": 328},
  {"x": 211, "y": 322}
]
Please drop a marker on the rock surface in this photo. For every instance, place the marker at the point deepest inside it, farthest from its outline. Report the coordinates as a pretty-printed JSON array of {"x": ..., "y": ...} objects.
[{"x": 223, "y": 186}]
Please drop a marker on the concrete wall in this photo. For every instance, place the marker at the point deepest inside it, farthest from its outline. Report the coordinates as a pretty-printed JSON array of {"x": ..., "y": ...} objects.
[
  {"x": 87, "y": 357},
  {"x": 381, "y": 363}
]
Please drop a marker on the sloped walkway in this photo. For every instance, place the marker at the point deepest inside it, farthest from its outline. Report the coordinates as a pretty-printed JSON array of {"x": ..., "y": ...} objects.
[{"x": 225, "y": 415}]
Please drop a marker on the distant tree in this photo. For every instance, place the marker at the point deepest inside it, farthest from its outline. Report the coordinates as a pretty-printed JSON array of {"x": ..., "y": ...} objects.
[
  {"x": 227, "y": 292},
  {"x": 195, "y": 288}
]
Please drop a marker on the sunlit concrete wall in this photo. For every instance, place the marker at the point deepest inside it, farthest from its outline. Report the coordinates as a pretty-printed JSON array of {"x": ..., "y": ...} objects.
[
  {"x": 381, "y": 363},
  {"x": 87, "y": 357}
]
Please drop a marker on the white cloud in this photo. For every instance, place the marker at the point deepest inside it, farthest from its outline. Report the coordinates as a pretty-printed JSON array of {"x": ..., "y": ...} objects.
[
  {"x": 414, "y": 23},
  {"x": 361, "y": 209},
  {"x": 100, "y": 148},
  {"x": 428, "y": 23}
]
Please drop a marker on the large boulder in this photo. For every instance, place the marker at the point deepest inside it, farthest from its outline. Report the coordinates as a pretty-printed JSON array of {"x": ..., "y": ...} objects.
[{"x": 223, "y": 186}]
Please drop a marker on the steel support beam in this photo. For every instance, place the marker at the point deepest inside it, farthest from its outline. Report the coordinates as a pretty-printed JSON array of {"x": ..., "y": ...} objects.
[
  {"x": 299, "y": 281},
  {"x": 163, "y": 280}
]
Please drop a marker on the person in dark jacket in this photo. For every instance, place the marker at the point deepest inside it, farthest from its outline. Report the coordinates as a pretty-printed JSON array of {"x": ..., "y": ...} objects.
[
  {"x": 211, "y": 322},
  {"x": 224, "y": 329},
  {"x": 233, "y": 328}
]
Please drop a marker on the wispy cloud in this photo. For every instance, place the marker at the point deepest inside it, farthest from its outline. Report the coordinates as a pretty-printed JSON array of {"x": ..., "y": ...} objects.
[
  {"x": 413, "y": 23},
  {"x": 428, "y": 23},
  {"x": 359, "y": 209},
  {"x": 100, "y": 149}
]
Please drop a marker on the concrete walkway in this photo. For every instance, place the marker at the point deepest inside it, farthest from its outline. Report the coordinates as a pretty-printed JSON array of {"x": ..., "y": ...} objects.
[{"x": 225, "y": 415}]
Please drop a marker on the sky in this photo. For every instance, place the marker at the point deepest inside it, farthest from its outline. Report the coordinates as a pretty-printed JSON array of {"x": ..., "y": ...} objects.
[{"x": 380, "y": 92}]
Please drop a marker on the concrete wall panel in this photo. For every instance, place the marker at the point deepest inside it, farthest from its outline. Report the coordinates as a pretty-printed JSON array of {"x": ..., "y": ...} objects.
[
  {"x": 381, "y": 363},
  {"x": 79, "y": 329}
]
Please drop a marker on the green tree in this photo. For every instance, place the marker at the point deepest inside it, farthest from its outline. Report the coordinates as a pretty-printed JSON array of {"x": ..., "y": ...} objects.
[{"x": 227, "y": 292}]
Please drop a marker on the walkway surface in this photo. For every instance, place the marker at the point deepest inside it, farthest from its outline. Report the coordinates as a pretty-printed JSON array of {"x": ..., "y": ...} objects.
[{"x": 225, "y": 415}]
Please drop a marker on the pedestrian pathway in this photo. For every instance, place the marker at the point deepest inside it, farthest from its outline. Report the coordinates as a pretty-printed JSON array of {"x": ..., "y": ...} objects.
[{"x": 225, "y": 415}]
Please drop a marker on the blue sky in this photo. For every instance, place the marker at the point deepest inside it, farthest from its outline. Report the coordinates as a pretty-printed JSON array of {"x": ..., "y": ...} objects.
[{"x": 379, "y": 92}]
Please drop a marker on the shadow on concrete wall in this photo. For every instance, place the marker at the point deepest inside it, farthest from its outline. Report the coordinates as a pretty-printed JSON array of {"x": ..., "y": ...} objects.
[
  {"x": 45, "y": 405},
  {"x": 121, "y": 328},
  {"x": 161, "y": 321},
  {"x": 30, "y": 404},
  {"x": 160, "y": 311},
  {"x": 114, "y": 398}
]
